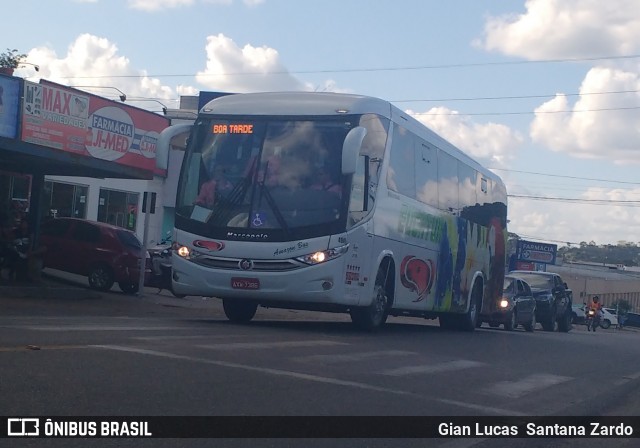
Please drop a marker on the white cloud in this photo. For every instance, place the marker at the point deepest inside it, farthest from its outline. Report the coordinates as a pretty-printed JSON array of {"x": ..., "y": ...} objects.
[
  {"x": 584, "y": 129},
  {"x": 248, "y": 69},
  {"x": 566, "y": 28},
  {"x": 576, "y": 221},
  {"x": 94, "y": 61},
  {"x": 159, "y": 5},
  {"x": 492, "y": 144}
]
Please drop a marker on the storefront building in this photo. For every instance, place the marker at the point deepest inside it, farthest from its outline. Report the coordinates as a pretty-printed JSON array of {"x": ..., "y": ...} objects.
[{"x": 65, "y": 152}]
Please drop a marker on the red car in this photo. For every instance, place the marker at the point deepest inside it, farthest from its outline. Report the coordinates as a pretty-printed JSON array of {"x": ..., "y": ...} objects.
[{"x": 102, "y": 252}]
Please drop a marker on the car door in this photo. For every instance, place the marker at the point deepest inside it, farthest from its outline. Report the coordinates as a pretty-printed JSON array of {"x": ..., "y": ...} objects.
[
  {"x": 84, "y": 249},
  {"x": 54, "y": 238},
  {"x": 526, "y": 302}
]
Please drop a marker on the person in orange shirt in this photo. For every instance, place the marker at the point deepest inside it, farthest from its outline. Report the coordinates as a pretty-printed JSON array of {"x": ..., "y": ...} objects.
[
  {"x": 596, "y": 306},
  {"x": 215, "y": 188}
]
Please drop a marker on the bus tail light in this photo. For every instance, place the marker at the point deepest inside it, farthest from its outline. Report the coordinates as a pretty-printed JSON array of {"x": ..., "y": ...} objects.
[{"x": 325, "y": 255}]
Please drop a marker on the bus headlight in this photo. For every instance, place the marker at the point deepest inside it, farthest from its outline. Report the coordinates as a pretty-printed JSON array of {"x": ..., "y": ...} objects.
[
  {"x": 181, "y": 250},
  {"x": 325, "y": 255}
]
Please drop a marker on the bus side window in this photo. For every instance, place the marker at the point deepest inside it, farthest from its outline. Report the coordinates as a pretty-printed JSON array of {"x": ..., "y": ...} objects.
[{"x": 359, "y": 200}]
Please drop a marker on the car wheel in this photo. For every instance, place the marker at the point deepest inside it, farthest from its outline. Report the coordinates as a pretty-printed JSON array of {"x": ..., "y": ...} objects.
[
  {"x": 550, "y": 322},
  {"x": 510, "y": 323},
  {"x": 128, "y": 287},
  {"x": 565, "y": 323},
  {"x": 175, "y": 294},
  {"x": 372, "y": 317},
  {"x": 239, "y": 311},
  {"x": 531, "y": 325},
  {"x": 605, "y": 323},
  {"x": 101, "y": 277}
]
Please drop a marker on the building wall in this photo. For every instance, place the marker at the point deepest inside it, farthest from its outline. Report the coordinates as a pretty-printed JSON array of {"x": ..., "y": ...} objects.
[{"x": 608, "y": 284}]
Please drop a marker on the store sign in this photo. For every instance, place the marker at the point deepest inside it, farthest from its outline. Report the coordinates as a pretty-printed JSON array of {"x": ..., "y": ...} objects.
[
  {"x": 9, "y": 104},
  {"x": 73, "y": 121},
  {"x": 536, "y": 252}
]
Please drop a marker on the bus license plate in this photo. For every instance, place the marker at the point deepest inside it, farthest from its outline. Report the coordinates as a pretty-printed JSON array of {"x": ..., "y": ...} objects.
[{"x": 245, "y": 283}]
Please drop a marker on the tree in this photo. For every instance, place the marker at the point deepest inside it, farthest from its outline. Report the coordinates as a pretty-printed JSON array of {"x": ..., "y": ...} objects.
[
  {"x": 622, "y": 305},
  {"x": 11, "y": 58}
]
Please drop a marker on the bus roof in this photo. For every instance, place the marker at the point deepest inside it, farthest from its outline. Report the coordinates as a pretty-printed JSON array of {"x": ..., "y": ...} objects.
[
  {"x": 329, "y": 103},
  {"x": 297, "y": 103}
]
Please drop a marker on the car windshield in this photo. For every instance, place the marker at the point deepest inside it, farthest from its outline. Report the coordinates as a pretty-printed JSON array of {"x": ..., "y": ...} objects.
[
  {"x": 538, "y": 281},
  {"x": 129, "y": 239},
  {"x": 508, "y": 283}
]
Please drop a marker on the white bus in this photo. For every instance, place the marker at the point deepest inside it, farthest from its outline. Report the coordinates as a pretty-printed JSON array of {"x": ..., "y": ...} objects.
[{"x": 335, "y": 202}]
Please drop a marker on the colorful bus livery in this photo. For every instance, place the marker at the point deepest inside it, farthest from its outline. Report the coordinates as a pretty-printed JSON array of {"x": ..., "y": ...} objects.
[{"x": 335, "y": 202}]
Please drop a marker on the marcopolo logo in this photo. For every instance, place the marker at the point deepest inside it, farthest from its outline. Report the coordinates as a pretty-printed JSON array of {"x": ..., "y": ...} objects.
[{"x": 22, "y": 427}]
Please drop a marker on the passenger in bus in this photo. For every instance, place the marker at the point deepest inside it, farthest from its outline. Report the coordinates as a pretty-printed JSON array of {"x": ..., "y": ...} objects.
[
  {"x": 325, "y": 181},
  {"x": 218, "y": 186}
]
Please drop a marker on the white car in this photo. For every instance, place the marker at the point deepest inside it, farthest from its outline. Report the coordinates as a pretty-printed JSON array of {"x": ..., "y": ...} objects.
[{"x": 609, "y": 317}]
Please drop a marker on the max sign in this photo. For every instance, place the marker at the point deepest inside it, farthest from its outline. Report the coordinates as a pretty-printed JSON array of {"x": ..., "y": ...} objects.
[{"x": 536, "y": 252}]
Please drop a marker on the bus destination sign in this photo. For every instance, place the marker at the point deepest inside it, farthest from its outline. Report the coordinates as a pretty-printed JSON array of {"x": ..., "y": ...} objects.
[{"x": 236, "y": 128}]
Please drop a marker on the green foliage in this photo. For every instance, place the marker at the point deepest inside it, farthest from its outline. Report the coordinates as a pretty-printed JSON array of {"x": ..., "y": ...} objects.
[
  {"x": 11, "y": 58},
  {"x": 624, "y": 254},
  {"x": 623, "y": 306}
]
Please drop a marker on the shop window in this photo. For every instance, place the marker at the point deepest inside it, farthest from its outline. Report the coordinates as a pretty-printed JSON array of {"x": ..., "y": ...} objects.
[
  {"x": 119, "y": 208},
  {"x": 62, "y": 200}
]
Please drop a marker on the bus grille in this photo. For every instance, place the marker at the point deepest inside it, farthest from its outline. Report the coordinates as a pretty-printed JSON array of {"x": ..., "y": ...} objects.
[{"x": 258, "y": 265}]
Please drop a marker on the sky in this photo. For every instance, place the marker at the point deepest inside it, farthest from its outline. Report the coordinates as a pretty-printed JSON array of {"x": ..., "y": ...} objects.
[{"x": 546, "y": 93}]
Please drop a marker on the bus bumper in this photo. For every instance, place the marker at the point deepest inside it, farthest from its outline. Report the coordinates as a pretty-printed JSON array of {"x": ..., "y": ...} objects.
[{"x": 321, "y": 283}]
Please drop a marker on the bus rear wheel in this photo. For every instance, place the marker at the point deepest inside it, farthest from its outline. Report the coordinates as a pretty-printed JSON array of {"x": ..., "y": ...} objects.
[
  {"x": 239, "y": 311},
  {"x": 373, "y": 316}
]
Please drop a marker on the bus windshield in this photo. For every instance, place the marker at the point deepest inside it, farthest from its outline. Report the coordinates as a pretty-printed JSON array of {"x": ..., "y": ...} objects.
[{"x": 267, "y": 174}]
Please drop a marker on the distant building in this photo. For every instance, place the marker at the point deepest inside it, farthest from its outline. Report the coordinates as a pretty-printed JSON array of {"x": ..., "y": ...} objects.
[{"x": 609, "y": 282}]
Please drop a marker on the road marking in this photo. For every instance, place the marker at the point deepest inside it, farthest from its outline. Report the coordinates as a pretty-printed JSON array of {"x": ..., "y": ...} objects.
[
  {"x": 482, "y": 408},
  {"x": 92, "y": 328},
  {"x": 516, "y": 389},
  {"x": 433, "y": 368},
  {"x": 178, "y": 337},
  {"x": 328, "y": 359},
  {"x": 275, "y": 344},
  {"x": 625, "y": 379},
  {"x": 277, "y": 372},
  {"x": 41, "y": 347}
]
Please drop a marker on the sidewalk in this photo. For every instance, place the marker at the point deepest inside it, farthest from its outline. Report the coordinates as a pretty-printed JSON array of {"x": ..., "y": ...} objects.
[{"x": 62, "y": 285}]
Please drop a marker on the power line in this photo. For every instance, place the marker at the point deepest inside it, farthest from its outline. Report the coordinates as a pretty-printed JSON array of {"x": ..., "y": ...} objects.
[
  {"x": 378, "y": 69},
  {"x": 567, "y": 177},
  {"x": 579, "y": 200},
  {"x": 515, "y": 97},
  {"x": 604, "y": 109}
]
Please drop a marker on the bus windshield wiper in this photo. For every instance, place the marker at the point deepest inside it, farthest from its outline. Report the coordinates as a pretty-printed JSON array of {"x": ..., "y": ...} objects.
[
  {"x": 274, "y": 207},
  {"x": 226, "y": 204}
]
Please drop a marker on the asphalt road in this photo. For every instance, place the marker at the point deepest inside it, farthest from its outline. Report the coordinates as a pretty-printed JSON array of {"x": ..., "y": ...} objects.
[{"x": 156, "y": 355}]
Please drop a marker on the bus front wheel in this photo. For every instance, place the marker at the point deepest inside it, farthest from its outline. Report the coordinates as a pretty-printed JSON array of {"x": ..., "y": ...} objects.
[
  {"x": 373, "y": 316},
  {"x": 239, "y": 311}
]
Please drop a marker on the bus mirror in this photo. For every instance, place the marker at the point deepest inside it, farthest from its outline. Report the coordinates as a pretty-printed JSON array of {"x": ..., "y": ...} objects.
[
  {"x": 164, "y": 143},
  {"x": 351, "y": 149}
]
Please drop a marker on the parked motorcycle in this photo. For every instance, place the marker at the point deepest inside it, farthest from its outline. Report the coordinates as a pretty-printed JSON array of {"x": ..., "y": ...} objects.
[
  {"x": 161, "y": 268},
  {"x": 592, "y": 320}
]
